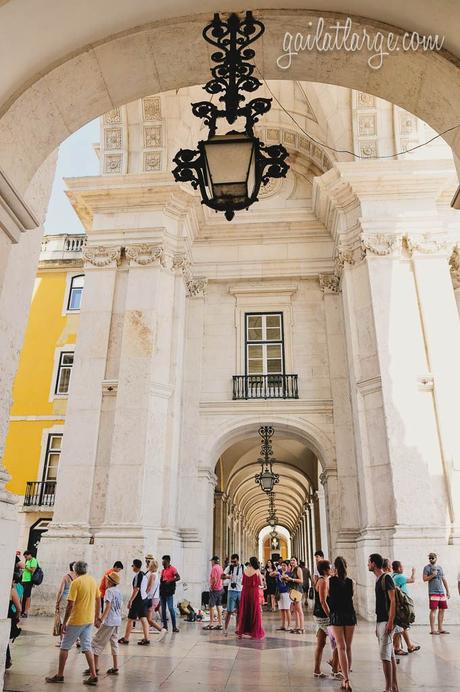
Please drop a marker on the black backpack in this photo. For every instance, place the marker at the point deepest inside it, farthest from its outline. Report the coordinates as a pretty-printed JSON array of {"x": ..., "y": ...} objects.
[{"x": 37, "y": 576}]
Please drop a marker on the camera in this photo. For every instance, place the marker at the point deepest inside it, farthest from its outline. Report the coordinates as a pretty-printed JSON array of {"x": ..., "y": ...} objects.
[{"x": 233, "y": 585}]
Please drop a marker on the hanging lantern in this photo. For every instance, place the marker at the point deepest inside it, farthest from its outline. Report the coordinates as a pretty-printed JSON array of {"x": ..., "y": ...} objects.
[{"x": 229, "y": 168}]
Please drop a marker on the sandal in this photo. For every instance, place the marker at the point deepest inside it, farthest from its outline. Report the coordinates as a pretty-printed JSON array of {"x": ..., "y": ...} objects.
[
  {"x": 144, "y": 642},
  {"x": 435, "y": 632},
  {"x": 218, "y": 627},
  {"x": 319, "y": 675},
  {"x": 414, "y": 648},
  {"x": 112, "y": 671},
  {"x": 443, "y": 632},
  {"x": 55, "y": 678},
  {"x": 208, "y": 627},
  {"x": 401, "y": 652},
  {"x": 88, "y": 672},
  {"x": 123, "y": 641}
]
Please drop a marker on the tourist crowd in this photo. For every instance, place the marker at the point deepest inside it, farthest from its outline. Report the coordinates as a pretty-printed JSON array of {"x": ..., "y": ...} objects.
[{"x": 89, "y": 615}]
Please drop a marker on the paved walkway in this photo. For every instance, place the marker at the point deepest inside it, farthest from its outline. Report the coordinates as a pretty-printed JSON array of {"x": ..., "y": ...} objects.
[{"x": 206, "y": 661}]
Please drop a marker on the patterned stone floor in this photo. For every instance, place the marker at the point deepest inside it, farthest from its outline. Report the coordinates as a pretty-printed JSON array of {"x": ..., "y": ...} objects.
[{"x": 208, "y": 662}]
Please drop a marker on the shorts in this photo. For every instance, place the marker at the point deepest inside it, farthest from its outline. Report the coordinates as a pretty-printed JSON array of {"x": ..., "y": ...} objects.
[
  {"x": 285, "y": 602},
  {"x": 215, "y": 598},
  {"x": 73, "y": 632},
  {"x": 385, "y": 641},
  {"x": 438, "y": 600},
  {"x": 322, "y": 625},
  {"x": 104, "y": 634},
  {"x": 233, "y": 601},
  {"x": 343, "y": 619},
  {"x": 27, "y": 586},
  {"x": 138, "y": 609}
]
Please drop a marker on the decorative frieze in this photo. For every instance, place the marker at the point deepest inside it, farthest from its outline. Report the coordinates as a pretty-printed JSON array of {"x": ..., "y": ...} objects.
[
  {"x": 113, "y": 163},
  {"x": 151, "y": 107},
  {"x": 146, "y": 253},
  {"x": 101, "y": 255}
]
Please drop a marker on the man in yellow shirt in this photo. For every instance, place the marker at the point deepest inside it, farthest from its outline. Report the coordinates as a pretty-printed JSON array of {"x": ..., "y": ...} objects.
[{"x": 81, "y": 612}]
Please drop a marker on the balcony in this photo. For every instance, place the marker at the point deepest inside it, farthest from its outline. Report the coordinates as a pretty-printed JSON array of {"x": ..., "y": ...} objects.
[
  {"x": 265, "y": 387},
  {"x": 40, "y": 494}
]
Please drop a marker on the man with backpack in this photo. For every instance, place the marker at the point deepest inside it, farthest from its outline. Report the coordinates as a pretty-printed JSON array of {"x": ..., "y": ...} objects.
[
  {"x": 30, "y": 565},
  {"x": 401, "y": 582},
  {"x": 385, "y": 610},
  {"x": 233, "y": 574}
]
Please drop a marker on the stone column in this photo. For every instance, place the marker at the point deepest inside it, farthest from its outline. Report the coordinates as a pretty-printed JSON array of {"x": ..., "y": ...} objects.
[
  {"x": 69, "y": 536},
  {"x": 441, "y": 333},
  {"x": 144, "y": 456},
  {"x": 342, "y": 490}
]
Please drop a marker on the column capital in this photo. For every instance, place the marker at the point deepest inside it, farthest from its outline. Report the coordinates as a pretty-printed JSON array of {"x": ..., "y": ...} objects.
[
  {"x": 329, "y": 283},
  {"x": 196, "y": 287},
  {"x": 454, "y": 263},
  {"x": 143, "y": 254},
  {"x": 429, "y": 244},
  {"x": 101, "y": 256}
]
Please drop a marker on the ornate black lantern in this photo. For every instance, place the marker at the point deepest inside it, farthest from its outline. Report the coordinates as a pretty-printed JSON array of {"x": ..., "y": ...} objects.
[
  {"x": 230, "y": 167},
  {"x": 266, "y": 478}
]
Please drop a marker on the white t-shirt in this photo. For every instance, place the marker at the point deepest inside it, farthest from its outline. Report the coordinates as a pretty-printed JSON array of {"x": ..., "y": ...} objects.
[
  {"x": 114, "y": 597},
  {"x": 155, "y": 588},
  {"x": 143, "y": 589},
  {"x": 236, "y": 577}
]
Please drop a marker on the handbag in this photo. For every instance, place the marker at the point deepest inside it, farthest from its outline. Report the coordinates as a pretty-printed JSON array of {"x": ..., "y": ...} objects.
[
  {"x": 295, "y": 595},
  {"x": 311, "y": 593},
  {"x": 57, "y": 625}
]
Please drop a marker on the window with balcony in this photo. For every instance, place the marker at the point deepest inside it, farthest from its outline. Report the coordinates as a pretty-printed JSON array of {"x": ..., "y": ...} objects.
[
  {"x": 41, "y": 493},
  {"x": 63, "y": 372},
  {"x": 75, "y": 292},
  {"x": 265, "y": 376}
]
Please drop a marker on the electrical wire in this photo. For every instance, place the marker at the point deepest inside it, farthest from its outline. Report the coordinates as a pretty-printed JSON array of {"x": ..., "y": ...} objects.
[{"x": 347, "y": 151}]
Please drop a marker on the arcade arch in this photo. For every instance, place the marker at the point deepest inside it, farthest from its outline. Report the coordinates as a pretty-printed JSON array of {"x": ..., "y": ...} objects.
[{"x": 241, "y": 507}]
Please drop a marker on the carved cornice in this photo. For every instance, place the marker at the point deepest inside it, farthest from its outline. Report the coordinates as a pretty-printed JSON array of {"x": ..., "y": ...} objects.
[
  {"x": 196, "y": 287},
  {"x": 329, "y": 283},
  {"x": 101, "y": 255},
  {"x": 454, "y": 263},
  {"x": 147, "y": 253}
]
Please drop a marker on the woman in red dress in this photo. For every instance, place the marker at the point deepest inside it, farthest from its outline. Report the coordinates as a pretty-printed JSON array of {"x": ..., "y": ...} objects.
[{"x": 250, "y": 612}]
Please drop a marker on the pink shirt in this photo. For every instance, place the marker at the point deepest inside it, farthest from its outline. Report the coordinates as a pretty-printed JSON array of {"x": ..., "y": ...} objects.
[{"x": 215, "y": 578}]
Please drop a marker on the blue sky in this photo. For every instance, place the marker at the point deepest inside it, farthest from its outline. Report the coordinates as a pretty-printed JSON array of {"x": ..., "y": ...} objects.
[{"x": 76, "y": 158}]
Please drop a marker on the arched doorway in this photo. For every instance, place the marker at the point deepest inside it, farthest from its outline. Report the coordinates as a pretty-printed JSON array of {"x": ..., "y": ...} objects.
[{"x": 241, "y": 507}]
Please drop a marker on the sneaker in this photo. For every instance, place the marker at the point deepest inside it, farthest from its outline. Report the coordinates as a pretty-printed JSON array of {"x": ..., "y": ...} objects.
[
  {"x": 90, "y": 681},
  {"x": 176, "y": 629},
  {"x": 88, "y": 672}
]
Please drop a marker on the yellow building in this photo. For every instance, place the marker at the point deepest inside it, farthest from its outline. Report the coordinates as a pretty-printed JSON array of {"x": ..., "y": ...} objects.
[{"x": 41, "y": 387}]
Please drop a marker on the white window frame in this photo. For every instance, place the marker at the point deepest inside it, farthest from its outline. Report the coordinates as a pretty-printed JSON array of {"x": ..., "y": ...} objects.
[
  {"x": 264, "y": 343},
  {"x": 53, "y": 430},
  {"x": 71, "y": 275},
  {"x": 263, "y": 299},
  {"x": 68, "y": 348}
]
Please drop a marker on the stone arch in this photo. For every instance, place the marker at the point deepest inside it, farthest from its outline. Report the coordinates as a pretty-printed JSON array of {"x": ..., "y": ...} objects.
[
  {"x": 120, "y": 68},
  {"x": 220, "y": 439}
]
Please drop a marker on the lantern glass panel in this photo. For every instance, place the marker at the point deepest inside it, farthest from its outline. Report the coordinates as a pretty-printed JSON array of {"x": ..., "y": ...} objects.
[{"x": 230, "y": 167}]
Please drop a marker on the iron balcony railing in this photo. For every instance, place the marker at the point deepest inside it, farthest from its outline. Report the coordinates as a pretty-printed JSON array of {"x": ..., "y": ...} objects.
[
  {"x": 40, "y": 494},
  {"x": 265, "y": 387}
]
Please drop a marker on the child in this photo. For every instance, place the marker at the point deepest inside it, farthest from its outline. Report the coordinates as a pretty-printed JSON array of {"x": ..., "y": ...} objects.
[{"x": 108, "y": 624}]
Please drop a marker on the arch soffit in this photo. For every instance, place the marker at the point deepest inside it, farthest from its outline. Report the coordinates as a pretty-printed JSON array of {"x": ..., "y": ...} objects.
[
  {"x": 220, "y": 439},
  {"x": 121, "y": 68}
]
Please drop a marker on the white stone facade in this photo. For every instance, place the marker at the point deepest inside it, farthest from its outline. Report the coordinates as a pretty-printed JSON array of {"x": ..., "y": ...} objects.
[{"x": 358, "y": 265}]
